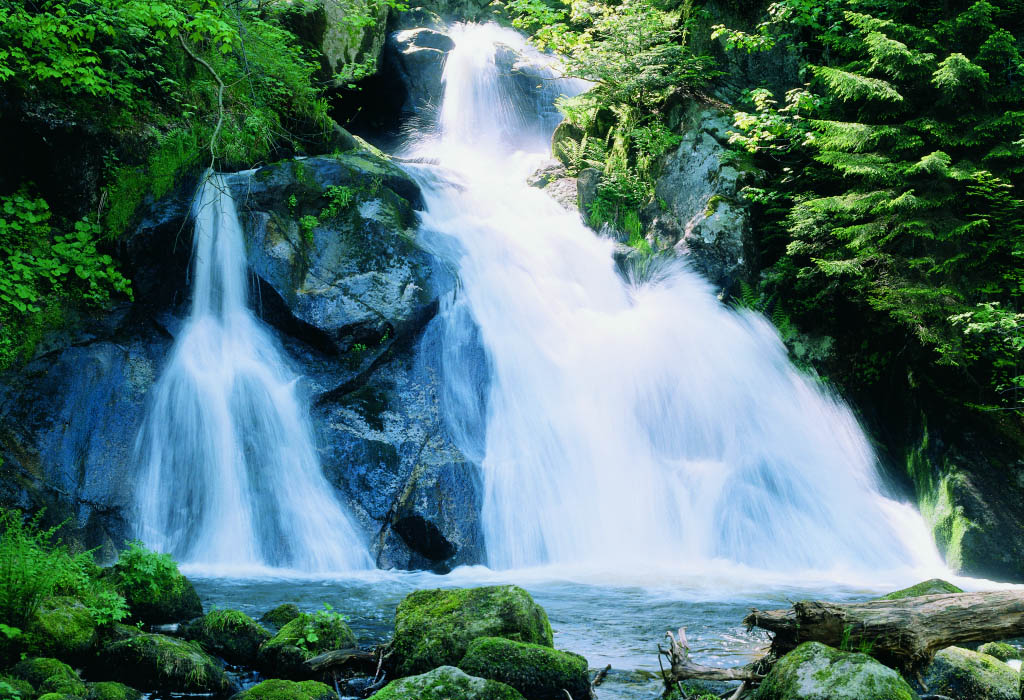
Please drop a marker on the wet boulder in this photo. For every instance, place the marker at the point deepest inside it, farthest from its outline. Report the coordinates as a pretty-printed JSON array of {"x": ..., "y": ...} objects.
[
  {"x": 435, "y": 627},
  {"x": 281, "y": 615},
  {"x": 16, "y": 688},
  {"x": 286, "y": 653},
  {"x": 159, "y": 662},
  {"x": 277, "y": 689},
  {"x": 814, "y": 671},
  {"x": 538, "y": 672},
  {"x": 418, "y": 56},
  {"x": 446, "y": 683},
  {"x": 229, "y": 634},
  {"x": 962, "y": 674}
]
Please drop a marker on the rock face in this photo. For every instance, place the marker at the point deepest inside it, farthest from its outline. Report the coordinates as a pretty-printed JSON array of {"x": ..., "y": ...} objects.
[
  {"x": 814, "y": 671},
  {"x": 418, "y": 56},
  {"x": 962, "y": 674},
  {"x": 323, "y": 25},
  {"x": 700, "y": 211},
  {"x": 435, "y": 627},
  {"x": 355, "y": 301},
  {"x": 536, "y": 671},
  {"x": 446, "y": 683}
]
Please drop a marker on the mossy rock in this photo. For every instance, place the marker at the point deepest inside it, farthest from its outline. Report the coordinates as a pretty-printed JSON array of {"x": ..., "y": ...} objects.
[
  {"x": 159, "y": 662},
  {"x": 306, "y": 636},
  {"x": 277, "y": 689},
  {"x": 814, "y": 671},
  {"x": 41, "y": 669},
  {"x": 933, "y": 586},
  {"x": 281, "y": 615},
  {"x": 538, "y": 672},
  {"x": 12, "y": 688},
  {"x": 60, "y": 696},
  {"x": 1001, "y": 651},
  {"x": 118, "y": 632},
  {"x": 65, "y": 628},
  {"x": 962, "y": 674},
  {"x": 435, "y": 627},
  {"x": 447, "y": 683},
  {"x": 157, "y": 594},
  {"x": 230, "y": 634},
  {"x": 74, "y": 687},
  {"x": 111, "y": 690}
]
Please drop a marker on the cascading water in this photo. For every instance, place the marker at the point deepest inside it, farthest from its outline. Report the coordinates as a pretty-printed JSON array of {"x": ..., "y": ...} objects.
[
  {"x": 628, "y": 422},
  {"x": 230, "y": 477}
]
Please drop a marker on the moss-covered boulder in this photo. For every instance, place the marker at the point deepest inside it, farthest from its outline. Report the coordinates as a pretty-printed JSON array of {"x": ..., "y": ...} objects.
[
  {"x": 285, "y": 654},
  {"x": 934, "y": 586},
  {"x": 447, "y": 683},
  {"x": 814, "y": 671},
  {"x": 230, "y": 634},
  {"x": 962, "y": 674},
  {"x": 37, "y": 671},
  {"x": 435, "y": 627},
  {"x": 277, "y": 689},
  {"x": 73, "y": 687},
  {"x": 538, "y": 672},
  {"x": 111, "y": 690},
  {"x": 1001, "y": 651},
  {"x": 63, "y": 627},
  {"x": 155, "y": 590},
  {"x": 159, "y": 662},
  {"x": 12, "y": 688},
  {"x": 281, "y": 615},
  {"x": 59, "y": 696}
]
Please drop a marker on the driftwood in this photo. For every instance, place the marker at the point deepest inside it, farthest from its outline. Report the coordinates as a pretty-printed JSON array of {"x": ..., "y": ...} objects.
[
  {"x": 342, "y": 658},
  {"x": 681, "y": 668},
  {"x": 903, "y": 633}
]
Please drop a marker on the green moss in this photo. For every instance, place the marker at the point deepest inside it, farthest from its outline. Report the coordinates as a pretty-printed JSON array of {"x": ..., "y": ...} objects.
[
  {"x": 814, "y": 671},
  {"x": 64, "y": 686},
  {"x": 1001, "y": 651},
  {"x": 303, "y": 638},
  {"x": 230, "y": 634},
  {"x": 933, "y": 586},
  {"x": 535, "y": 671},
  {"x": 447, "y": 683},
  {"x": 281, "y": 615},
  {"x": 435, "y": 627},
  {"x": 12, "y": 688},
  {"x": 38, "y": 670},
  {"x": 110, "y": 690},
  {"x": 155, "y": 590},
  {"x": 155, "y": 661},
  {"x": 63, "y": 627},
  {"x": 962, "y": 673},
  {"x": 276, "y": 689}
]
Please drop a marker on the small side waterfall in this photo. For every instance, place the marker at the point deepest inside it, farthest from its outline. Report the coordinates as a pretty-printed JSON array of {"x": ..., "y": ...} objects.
[
  {"x": 630, "y": 423},
  {"x": 229, "y": 475}
]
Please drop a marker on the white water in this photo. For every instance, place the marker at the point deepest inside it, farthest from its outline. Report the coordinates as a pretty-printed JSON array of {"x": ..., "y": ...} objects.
[
  {"x": 230, "y": 478},
  {"x": 631, "y": 424}
]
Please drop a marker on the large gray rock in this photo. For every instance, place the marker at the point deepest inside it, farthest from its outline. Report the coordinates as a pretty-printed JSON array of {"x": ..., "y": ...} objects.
[
  {"x": 700, "y": 210},
  {"x": 814, "y": 671},
  {"x": 419, "y": 55},
  {"x": 962, "y": 674},
  {"x": 357, "y": 298}
]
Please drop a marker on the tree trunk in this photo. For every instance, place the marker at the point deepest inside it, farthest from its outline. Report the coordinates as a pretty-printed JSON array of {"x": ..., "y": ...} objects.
[{"x": 903, "y": 633}]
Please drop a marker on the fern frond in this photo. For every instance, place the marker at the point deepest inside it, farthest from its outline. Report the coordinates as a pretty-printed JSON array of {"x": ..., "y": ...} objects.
[{"x": 849, "y": 86}]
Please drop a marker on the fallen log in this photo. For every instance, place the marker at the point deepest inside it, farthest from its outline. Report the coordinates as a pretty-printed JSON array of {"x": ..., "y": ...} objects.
[
  {"x": 339, "y": 658},
  {"x": 904, "y": 633}
]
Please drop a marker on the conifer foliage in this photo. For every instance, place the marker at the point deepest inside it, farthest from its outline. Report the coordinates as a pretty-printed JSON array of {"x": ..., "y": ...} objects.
[{"x": 896, "y": 188}]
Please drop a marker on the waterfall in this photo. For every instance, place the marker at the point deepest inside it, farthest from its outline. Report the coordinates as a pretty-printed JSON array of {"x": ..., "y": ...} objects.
[
  {"x": 229, "y": 475},
  {"x": 628, "y": 421}
]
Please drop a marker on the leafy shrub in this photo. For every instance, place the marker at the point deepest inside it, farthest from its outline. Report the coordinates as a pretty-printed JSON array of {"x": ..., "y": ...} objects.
[{"x": 146, "y": 576}]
